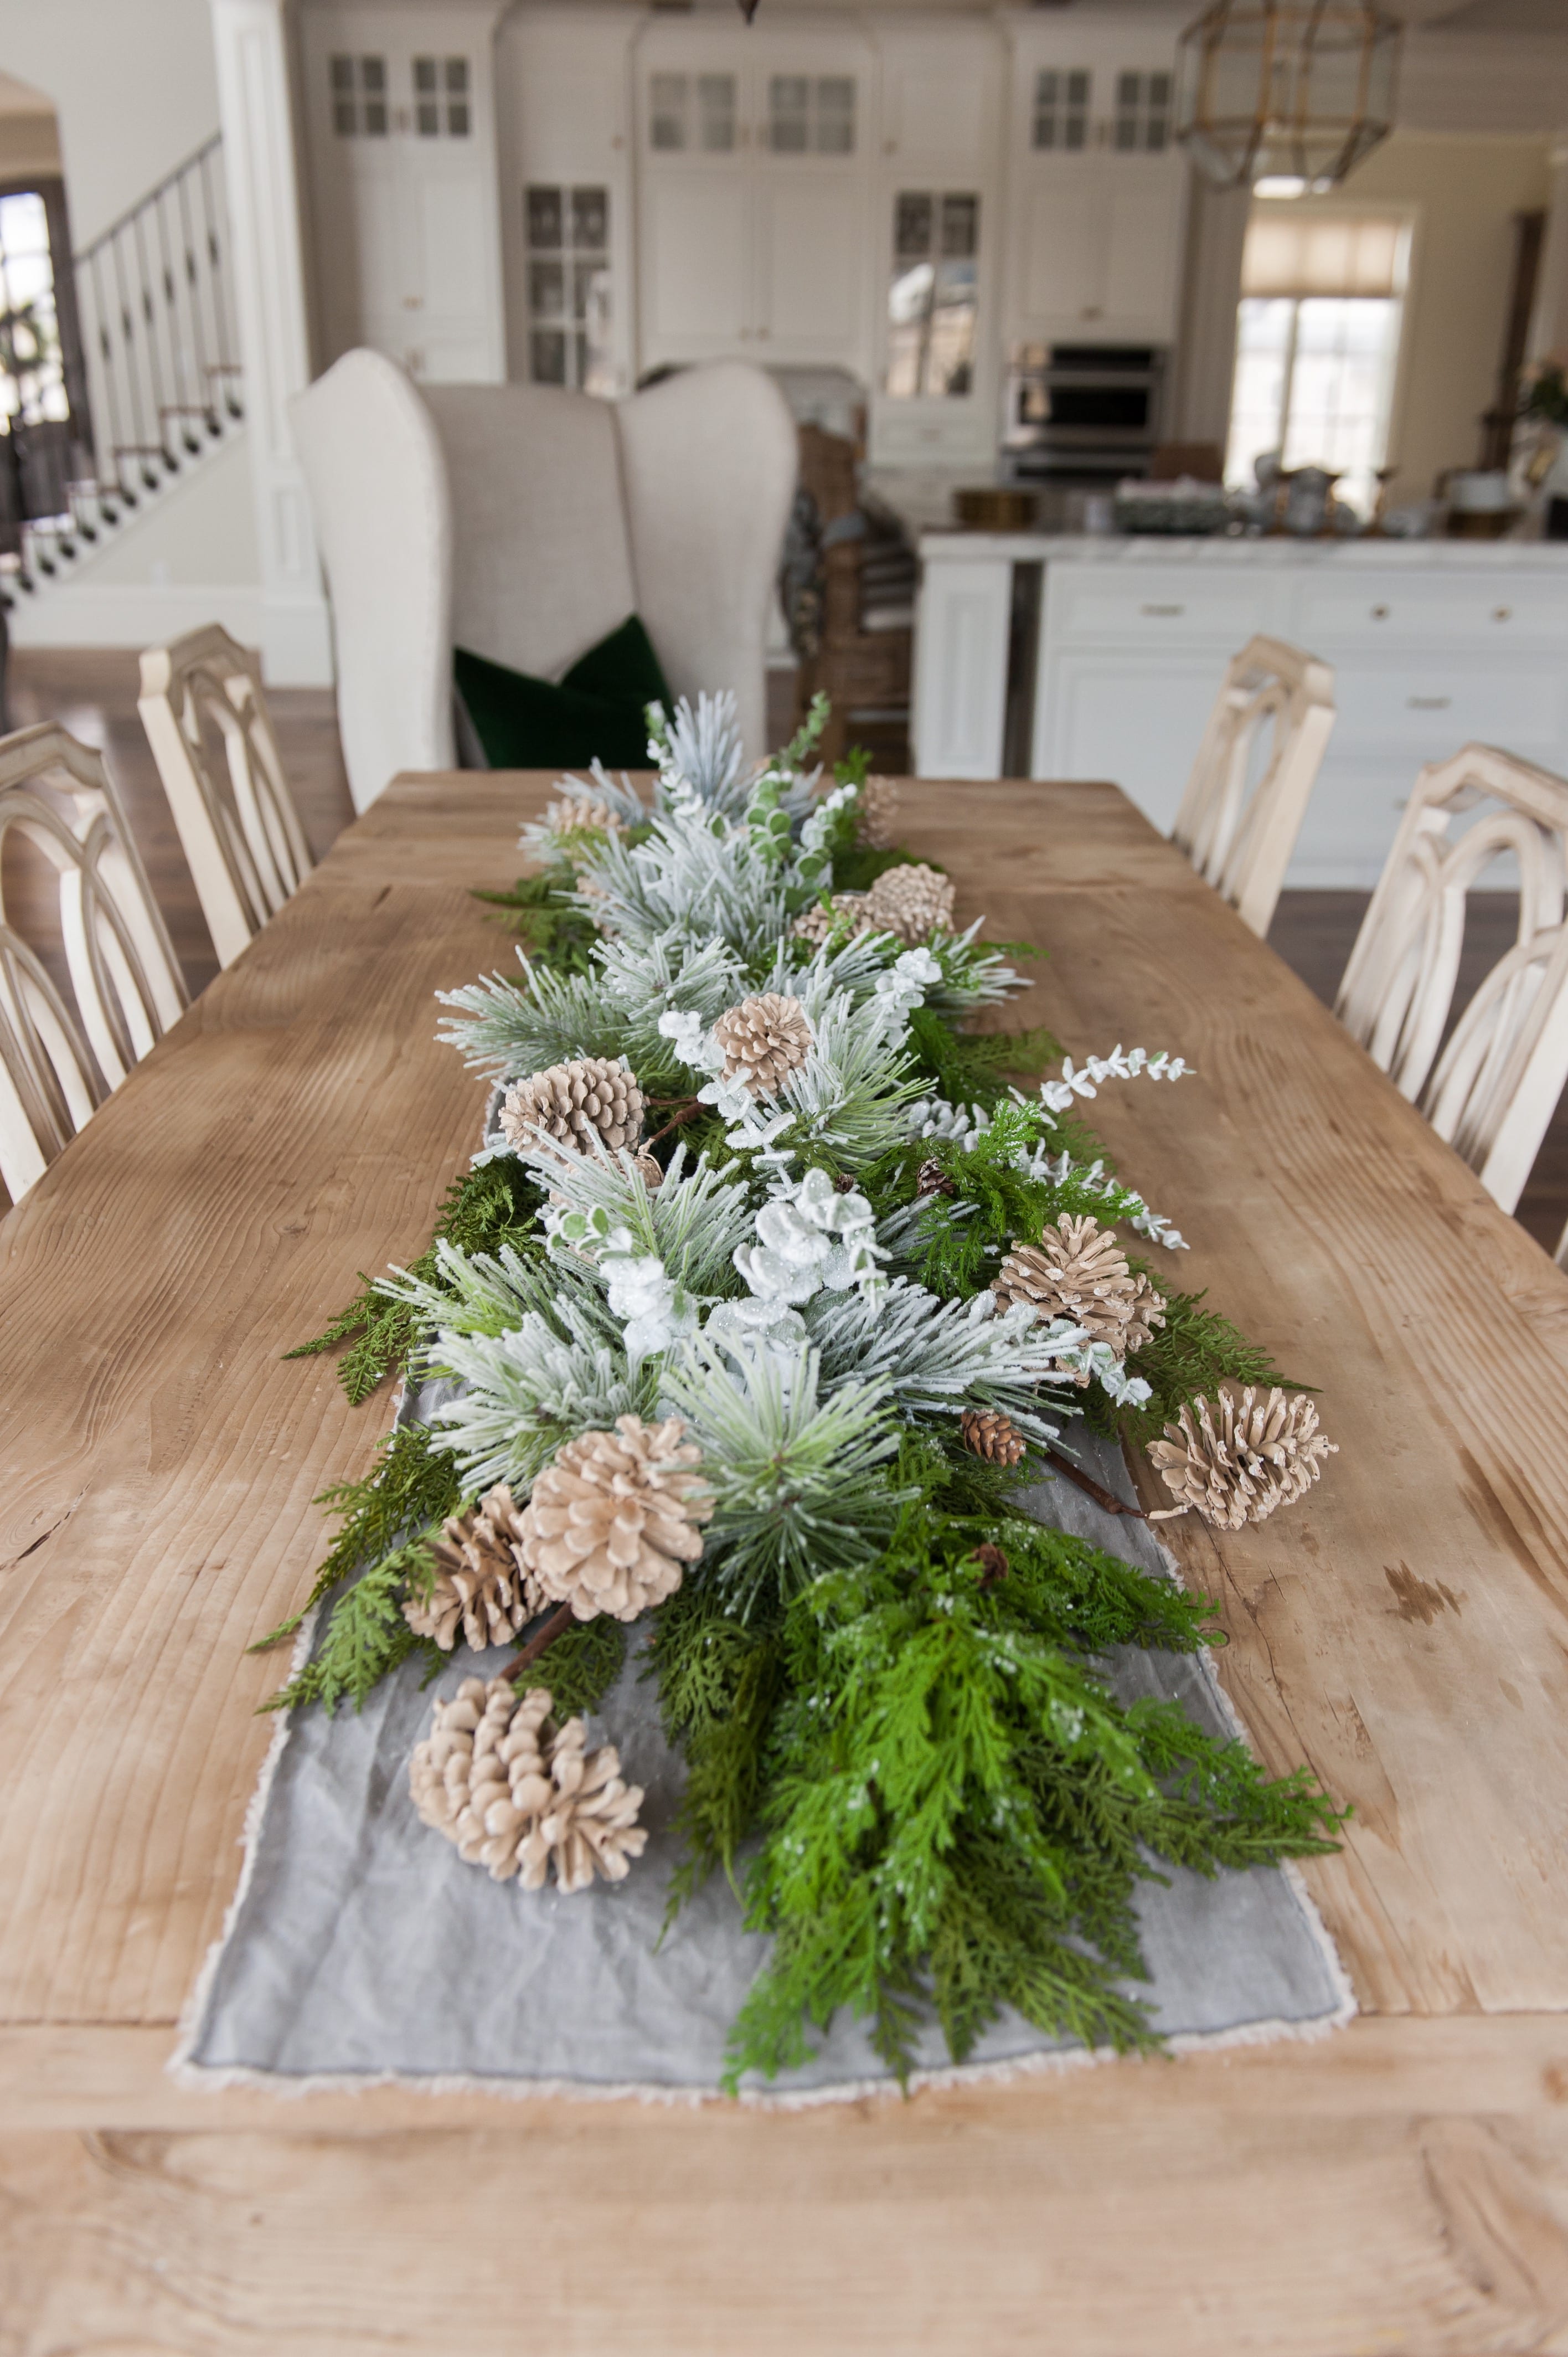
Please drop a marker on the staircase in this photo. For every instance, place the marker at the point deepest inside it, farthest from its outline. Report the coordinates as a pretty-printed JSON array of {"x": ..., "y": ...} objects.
[{"x": 147, "y": 372}]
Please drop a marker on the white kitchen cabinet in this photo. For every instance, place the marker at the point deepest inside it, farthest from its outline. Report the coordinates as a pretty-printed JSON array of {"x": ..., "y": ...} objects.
[
  {"x": 1097, "y": 197},
  {"x": 1428, "y": 654},
  {"x": 568, "y": 194},
  {"x": 399, "y": 116},
  {"x": 753, "y": 176}
]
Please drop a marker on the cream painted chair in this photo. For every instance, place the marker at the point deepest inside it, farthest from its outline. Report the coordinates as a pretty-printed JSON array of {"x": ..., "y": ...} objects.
[
  {"x": 57, "y": 1062},
  {"x": 207, "y": 722},
  {"x": 1492, "y": 1091},
  {"x": 526, "y": 524},
  {"x": 1238, "y": 833}
]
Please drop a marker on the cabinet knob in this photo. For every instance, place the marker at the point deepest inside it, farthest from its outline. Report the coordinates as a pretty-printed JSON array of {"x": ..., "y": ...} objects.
[
  {"x": 413, "y": 302},
  {"x": 763, "y": 334},
  {"x": 1162, "y": 609},
  {"x": 1429, "y": 703},
  {"x": 1502, "y": 613},
  {"x": 1092, "y": 311},
  {"x": 1379, "y": 613}
]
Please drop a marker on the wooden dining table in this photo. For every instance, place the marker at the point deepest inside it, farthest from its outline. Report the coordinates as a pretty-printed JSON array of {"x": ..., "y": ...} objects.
[{"x": 1397, "y": 2186}]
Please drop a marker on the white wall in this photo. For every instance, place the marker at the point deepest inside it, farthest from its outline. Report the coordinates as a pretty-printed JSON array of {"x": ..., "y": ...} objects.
[{"x": 131, "y": 82}]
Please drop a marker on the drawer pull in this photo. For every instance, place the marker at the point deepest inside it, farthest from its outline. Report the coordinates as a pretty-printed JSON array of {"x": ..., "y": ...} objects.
[
  {"x": 1502, "y": 613},
  {"x": 1379, "y": 613},
  {"x": 1429, "y": 703},
  {"x": 1162, "y": 609}
]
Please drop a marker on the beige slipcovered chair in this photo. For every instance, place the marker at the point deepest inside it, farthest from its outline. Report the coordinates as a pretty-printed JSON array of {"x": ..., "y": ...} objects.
[
  {"x": 207, "y": 722},
  {"x": 57, "y": 1062},
  {"x": 1239, "y": 833},
  {"x": 525, "y": 523},
  {"x": 1492, "y": 1091}
]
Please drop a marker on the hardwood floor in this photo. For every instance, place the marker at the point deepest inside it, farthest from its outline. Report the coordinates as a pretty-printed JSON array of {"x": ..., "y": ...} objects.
[{"x": 92, "y": 692}]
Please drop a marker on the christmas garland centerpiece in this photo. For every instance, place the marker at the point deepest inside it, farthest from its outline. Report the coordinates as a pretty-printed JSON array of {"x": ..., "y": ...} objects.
[{"x": 767, "y": 1292}]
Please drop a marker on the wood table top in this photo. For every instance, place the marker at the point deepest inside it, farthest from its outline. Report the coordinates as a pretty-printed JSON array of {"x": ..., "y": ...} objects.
[{"x": 1402, "y": 2185}]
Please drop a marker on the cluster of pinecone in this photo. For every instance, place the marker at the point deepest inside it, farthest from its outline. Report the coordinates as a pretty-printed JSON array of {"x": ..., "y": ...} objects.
[
  {"x": 876, "y": 812},
  {"x": 1079, "y": 1270},
  {"x": 615, "y": 1517},
  {"x": 765, "y": 1038},
  {"x": 910, "y": 901},
  {"x": 1233, "y": 1460},
  {"x": 592, "y": 1100},
  {"x": 517, "y": 1795},
  {"x": 582, "y": 814}
]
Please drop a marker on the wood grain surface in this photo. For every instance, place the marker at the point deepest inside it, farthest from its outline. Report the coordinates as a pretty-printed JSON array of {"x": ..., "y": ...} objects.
[{"x": 1402, "y": 2187}]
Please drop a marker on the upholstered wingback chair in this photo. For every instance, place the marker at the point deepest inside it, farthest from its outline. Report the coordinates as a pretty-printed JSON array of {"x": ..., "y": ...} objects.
[{"x": 524, "y": 524}]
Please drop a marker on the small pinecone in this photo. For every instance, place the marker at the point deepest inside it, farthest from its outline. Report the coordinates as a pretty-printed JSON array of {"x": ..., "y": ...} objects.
[
  {"x": 876, "y": 810},
  {"x": 648, "y": 1170},
  {"x": 582, "y": 814},
  {"x": 481, "y": 1583},
  {"x": 933, "y": 1179},
  {"x": 513, "y": 1794},
  {"x": 1079, "y": 1270},
  {"x": 613, "y": 1518},
  {"x": 1236, "y": 1460},
  {"x": 912, "y": 902},
  {"x": 816, "y": 923},
  {"x": 576, "y": 1104},
  {"x": 764, "y": 1037},
  {"x": 989, "y": 1433}
]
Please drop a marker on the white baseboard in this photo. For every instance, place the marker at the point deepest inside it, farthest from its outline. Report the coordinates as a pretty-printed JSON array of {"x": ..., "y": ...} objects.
[
  {"x": 131, "y": 613},
  {"x": 294, "y": 636}
]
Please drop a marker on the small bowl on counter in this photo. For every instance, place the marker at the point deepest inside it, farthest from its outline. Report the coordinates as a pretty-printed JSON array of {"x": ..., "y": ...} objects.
[{"x": 994, "y": 507}]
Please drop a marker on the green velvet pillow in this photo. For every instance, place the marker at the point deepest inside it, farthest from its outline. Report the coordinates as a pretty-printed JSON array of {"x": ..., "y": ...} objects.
[{"x": 593, "y": 712}]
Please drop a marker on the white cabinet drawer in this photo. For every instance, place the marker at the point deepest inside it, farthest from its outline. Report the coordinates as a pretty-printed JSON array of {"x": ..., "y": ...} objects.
[
  {"x": 1146, "y": 605},
  {"x": 1430, "y": 708},
  {"x": 1486, "y": 615}
]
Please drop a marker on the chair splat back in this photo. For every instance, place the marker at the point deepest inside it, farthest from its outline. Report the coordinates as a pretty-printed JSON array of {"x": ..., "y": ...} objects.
[
  {"x": 207, "y": 721},
  {"x": 1238, "y": 833},
  {"x": 60, "y": 1061},
  {"x": 1491, "y": 1092}
]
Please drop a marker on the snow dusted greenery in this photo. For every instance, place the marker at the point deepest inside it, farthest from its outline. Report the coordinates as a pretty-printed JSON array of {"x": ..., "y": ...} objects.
[{"x": 879, "y": 1672}]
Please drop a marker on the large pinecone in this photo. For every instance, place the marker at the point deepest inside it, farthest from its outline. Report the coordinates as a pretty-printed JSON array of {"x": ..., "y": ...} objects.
[
  {"x": 991, "y": 1435},
  {"x": 1079, "y": 1270},
  {"x": 582, "y": 814},
  {"x": 514, "y": 1794},
  {"x": 910, "y": 901},
  {"x": 481, "y": 1582},
  {"x": 876, "y": 810},
  {"x": 1235, "y": 1460},
  {"x": 614, "y": 1518},
  {"x": 577, "y": 1104},
  {"x": 765, "y": 1038}
]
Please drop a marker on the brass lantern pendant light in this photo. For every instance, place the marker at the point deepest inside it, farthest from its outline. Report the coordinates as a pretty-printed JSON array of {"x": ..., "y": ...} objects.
[{"x": 1293, "y": 93}]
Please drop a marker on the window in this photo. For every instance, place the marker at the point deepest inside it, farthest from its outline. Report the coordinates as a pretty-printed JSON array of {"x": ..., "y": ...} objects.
[
  {"x": 1061, "y": 110},
  {"x": 689, "y": 111},
  {"x": 441, "y": 97},
  {"x": 932, "y": 299},
  {"x": 568, "y": 232},
  {"x": 360, "y": 97},
  {"x": 1317, "y": 344},
  {"x": 811, "y": 115},
  {"x": 1143, "y": 122},
  {"x": 32, "y": 371}
]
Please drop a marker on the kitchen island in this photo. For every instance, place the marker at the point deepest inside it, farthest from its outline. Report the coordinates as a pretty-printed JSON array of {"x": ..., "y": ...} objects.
[{"x": 1108, "y": 652}]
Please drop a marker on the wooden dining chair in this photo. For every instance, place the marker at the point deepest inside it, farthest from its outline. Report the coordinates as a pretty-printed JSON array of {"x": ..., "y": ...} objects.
[
  {"x": 1240, "y": 831},
  {"x": 206, "y": 718},
  {"x": 1493, "y": 1089},
  {"x": 59, "y": 1061}
]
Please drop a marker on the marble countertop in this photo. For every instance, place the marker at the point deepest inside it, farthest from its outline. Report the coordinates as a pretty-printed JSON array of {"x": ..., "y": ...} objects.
[{"x": 1118, "y": 548}]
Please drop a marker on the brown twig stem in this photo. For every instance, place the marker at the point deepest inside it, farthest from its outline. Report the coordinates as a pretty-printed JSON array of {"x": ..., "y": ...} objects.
[
  {"x": 1092, "y": 1488},
  {"x": 560, "y": 1619},
  {"x": 687, "y": 1109}
]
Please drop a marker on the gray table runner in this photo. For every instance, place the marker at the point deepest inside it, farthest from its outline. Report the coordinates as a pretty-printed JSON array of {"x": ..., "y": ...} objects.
[{"x": 361, "y": 1948}]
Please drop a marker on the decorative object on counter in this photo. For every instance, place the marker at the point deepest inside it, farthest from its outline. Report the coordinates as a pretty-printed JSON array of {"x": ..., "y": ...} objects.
[
  {"x": 1480, "y": 504},
  {"x": 992, "y": 508},
  {"x": 1285, "y": 95},
  {"x": 777, "y": 1412},
  {"x": 1186, "y": 507}
]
